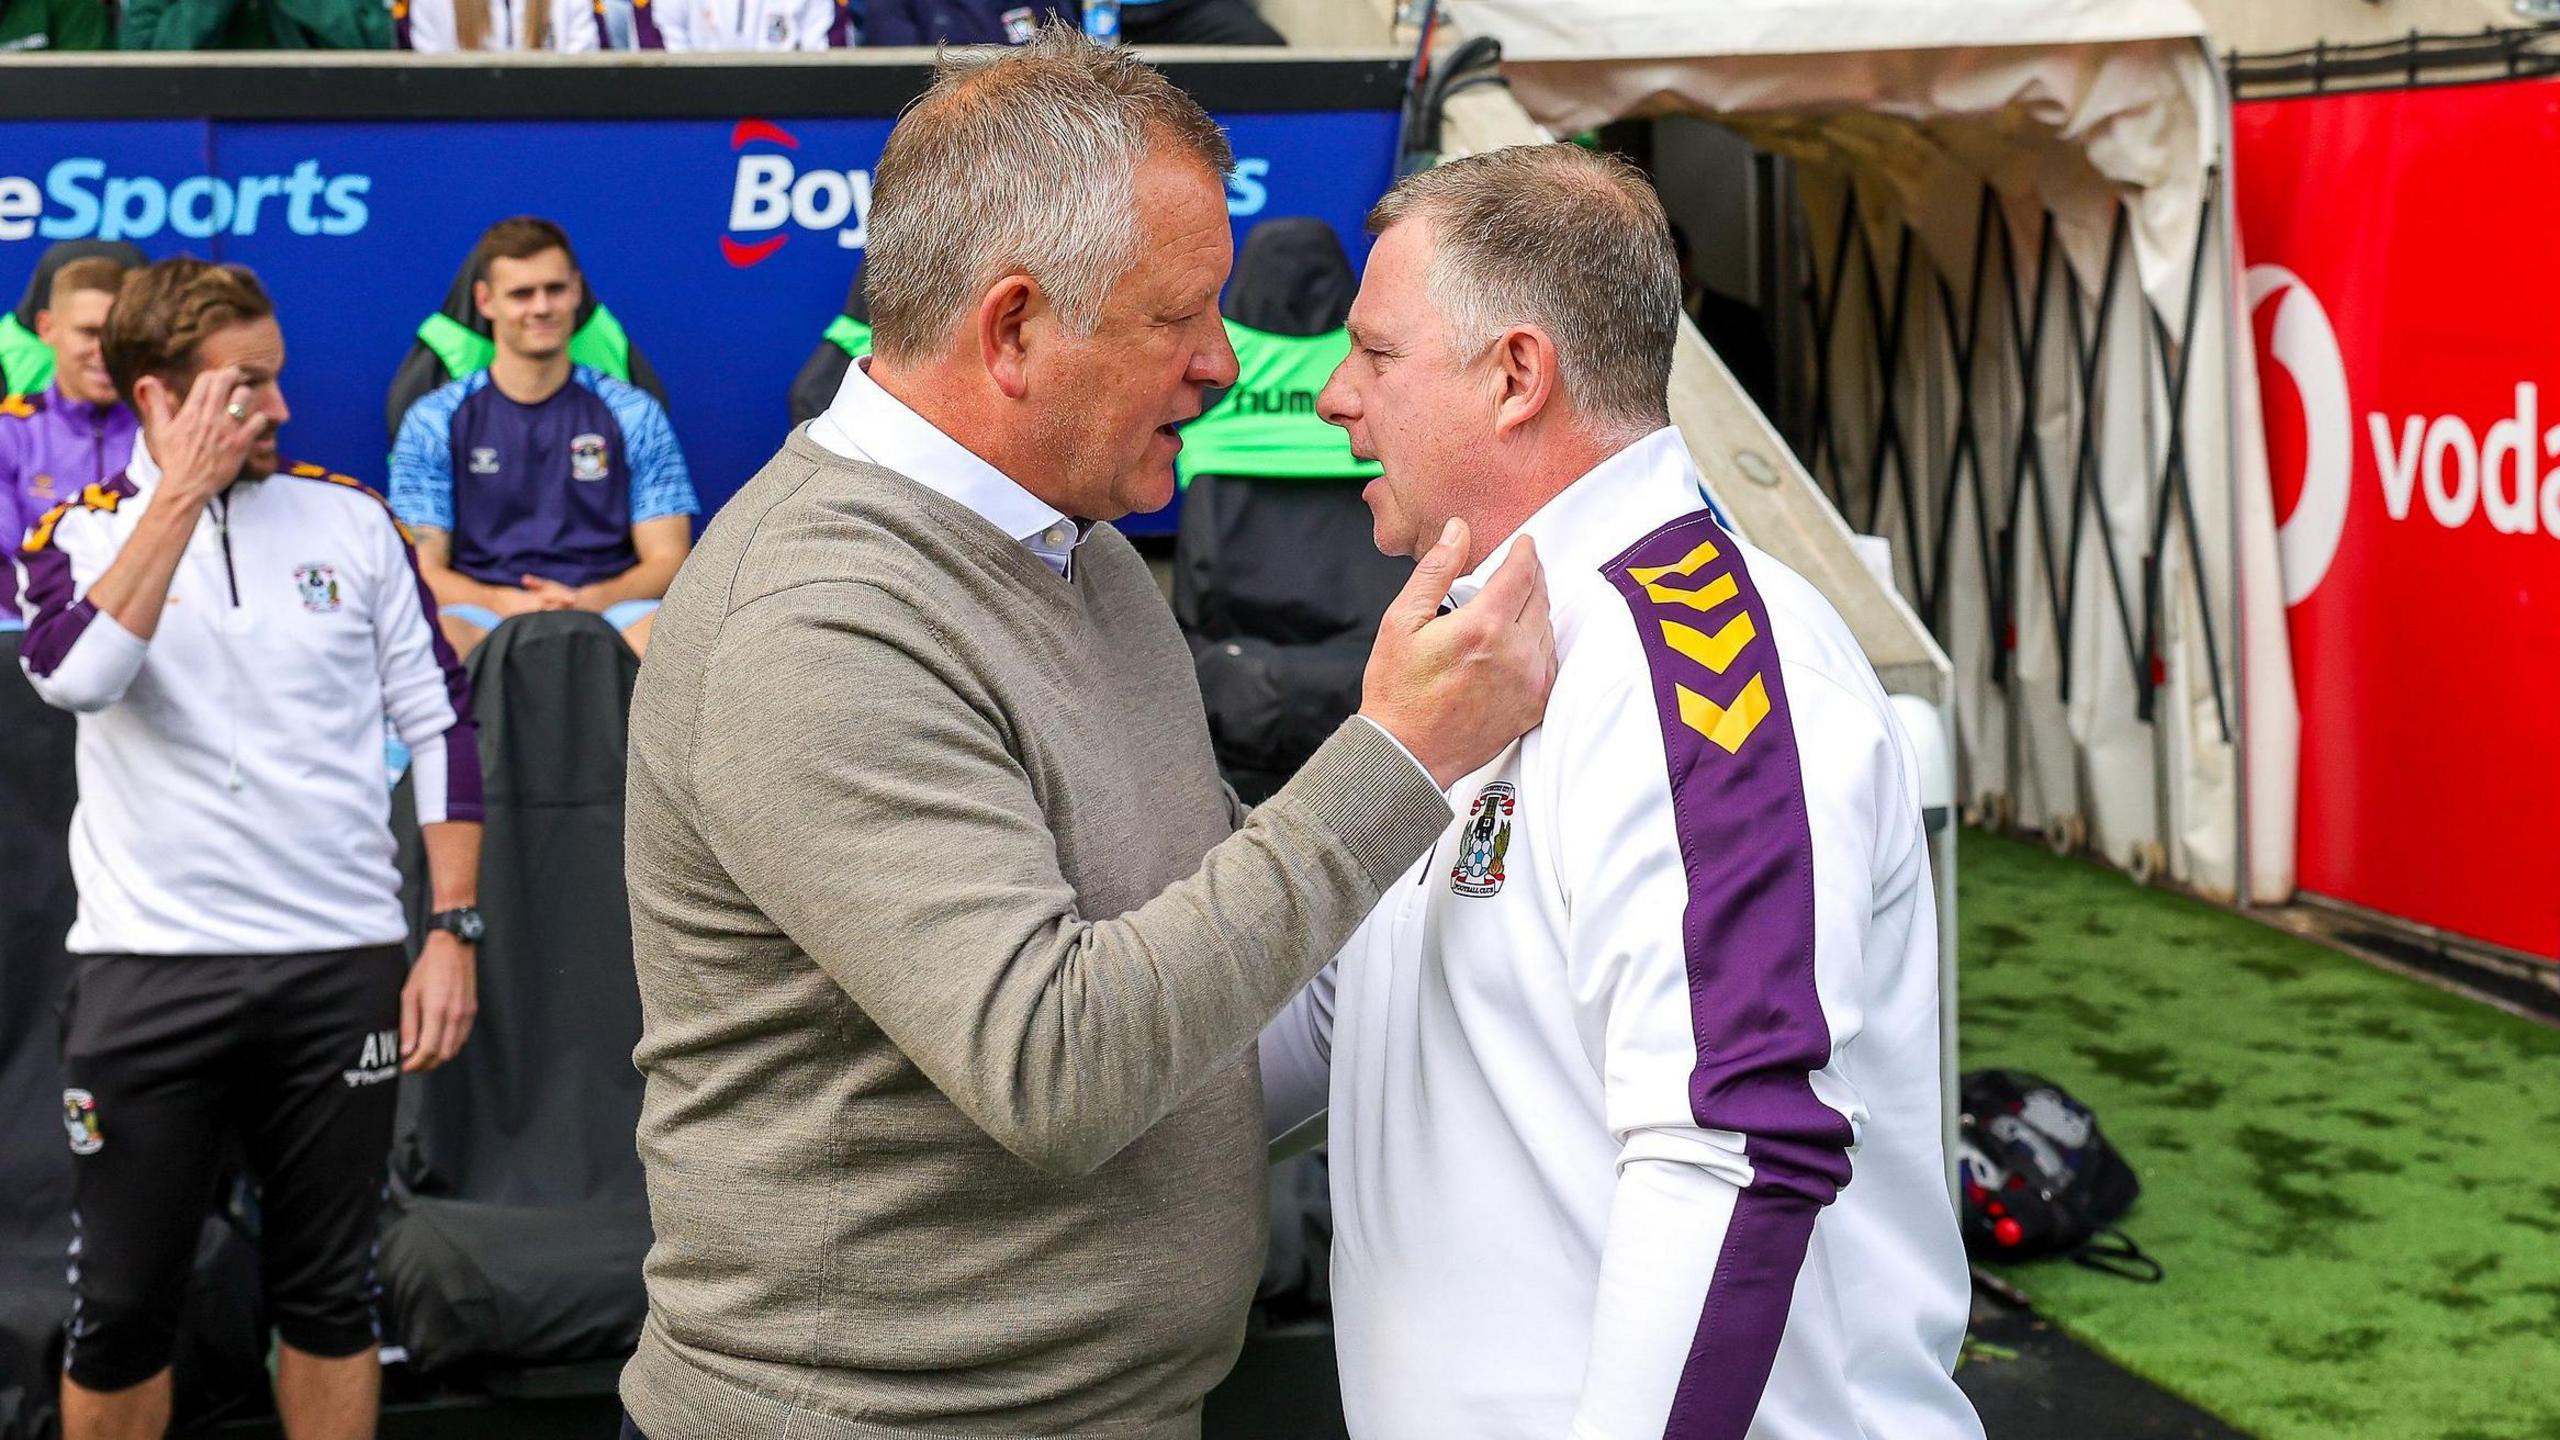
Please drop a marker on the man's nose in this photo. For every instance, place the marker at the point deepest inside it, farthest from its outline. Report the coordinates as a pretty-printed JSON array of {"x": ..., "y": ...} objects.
[
  {"x": 1336, "y": 402},
  {"x": 1214, "y": 364},
  {"x": 275, "y": 408}
]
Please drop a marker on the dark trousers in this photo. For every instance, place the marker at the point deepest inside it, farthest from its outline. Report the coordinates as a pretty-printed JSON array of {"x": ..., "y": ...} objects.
[{"x": 166, "y": 1059}]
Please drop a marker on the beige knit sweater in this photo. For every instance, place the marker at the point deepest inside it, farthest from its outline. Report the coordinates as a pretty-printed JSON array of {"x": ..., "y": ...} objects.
[{"x": 951, "y": 971}]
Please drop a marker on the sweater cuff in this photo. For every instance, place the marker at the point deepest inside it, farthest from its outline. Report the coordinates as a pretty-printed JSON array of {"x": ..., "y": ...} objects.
[{"x": 1366, "y": 788}]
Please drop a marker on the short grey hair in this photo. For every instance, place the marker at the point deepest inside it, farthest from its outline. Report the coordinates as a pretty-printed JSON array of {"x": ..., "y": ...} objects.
[
  {"x": 1020, "y": 159},
  {"x": 1567, "y": 240}
]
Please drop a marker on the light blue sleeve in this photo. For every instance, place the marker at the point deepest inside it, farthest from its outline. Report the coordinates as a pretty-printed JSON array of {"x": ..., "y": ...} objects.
[
  {"x": 660, "y": 484},
  {"x": 422, "y": 461}
]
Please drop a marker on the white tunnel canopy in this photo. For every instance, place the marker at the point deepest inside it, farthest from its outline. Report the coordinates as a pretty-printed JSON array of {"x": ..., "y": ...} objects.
[{"x": 2083, "y": 114}]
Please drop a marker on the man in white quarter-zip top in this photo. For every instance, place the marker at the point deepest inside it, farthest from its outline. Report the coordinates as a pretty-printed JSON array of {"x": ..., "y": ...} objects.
[
  {"x": 1632, "y": 1081},
  {"x": 231, "y": 630}
]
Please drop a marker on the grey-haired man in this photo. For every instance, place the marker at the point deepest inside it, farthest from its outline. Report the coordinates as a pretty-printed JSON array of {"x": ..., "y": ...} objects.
[{"x": 952, "y": 948}]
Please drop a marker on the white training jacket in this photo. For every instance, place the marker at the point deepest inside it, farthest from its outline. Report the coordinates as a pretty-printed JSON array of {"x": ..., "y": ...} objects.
[
  {"x": 737, "y": 25},
  {"x": 234, "y": 797},
  {"x": 1633, "y": 1080}
]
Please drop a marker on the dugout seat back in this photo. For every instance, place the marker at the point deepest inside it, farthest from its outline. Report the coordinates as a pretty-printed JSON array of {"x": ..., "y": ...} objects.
[
  {"x": 455, "y": 342},
  {"x": 520, "y": 1218},
  {"x": 1278, "y": 584},
  {"x": 846, "y": 339}
]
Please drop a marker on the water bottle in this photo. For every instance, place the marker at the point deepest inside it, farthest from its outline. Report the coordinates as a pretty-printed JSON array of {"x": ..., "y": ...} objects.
[{"x": 1102, "y": 21}]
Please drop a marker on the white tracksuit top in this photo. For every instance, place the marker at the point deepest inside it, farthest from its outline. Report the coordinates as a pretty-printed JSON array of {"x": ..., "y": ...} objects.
[
  {"x": 1633, "y": 1080},
  {"x": 234, "y": 797}
]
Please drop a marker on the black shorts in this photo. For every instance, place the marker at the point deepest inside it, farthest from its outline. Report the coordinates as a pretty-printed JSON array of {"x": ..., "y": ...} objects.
[{"x": 170, "y": 1064}]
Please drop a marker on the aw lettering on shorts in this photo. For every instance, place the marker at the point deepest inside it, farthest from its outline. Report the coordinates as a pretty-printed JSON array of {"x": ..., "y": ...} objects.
[
  {"x": 379, "y": 1061},
  {"x": 80, "y": 1119}
]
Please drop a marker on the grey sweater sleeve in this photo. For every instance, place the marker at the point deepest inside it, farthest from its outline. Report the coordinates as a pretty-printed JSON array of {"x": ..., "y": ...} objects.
[{"x": 909, "y": 857}]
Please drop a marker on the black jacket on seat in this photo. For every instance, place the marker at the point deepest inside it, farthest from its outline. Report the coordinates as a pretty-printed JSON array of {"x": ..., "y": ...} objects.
[{"x": 1278, "y": 584}]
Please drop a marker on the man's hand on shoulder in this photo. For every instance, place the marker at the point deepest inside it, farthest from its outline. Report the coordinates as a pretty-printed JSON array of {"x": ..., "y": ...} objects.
[{"x": 1454, "y": 689}]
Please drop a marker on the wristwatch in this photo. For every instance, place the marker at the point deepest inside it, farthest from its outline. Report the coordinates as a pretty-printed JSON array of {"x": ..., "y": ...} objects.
[{"x": 463, "y": 923}]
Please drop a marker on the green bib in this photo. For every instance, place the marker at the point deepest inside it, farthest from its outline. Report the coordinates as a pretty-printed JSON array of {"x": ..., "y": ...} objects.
[
  {"x": 26, "y": 363},
  {"x": 849, "y": 335},
  {"x": 1267, "y": 427},
  {"x": 600, "y": 344}
]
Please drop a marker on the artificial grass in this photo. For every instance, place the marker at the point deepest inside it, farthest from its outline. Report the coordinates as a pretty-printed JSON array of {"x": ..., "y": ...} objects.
[{"x": 2353, "y": 1178}]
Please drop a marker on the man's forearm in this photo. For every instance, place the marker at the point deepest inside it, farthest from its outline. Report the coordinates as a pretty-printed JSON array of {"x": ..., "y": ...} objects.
[
  {"x": 647, "y": 580},
  {"x": 135, "y": 587},
  {"x": 453, "y": 862},
  {"x": 452, "y": 587}
]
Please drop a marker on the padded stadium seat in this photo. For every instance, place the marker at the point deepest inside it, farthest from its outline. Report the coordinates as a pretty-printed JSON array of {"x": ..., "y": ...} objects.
[
  {"x": 454, "y": 342},
  {"x": 519, "y": 1214},
  {"x": 1277, "y": 583},
  {"x": 847, "y": 338}
]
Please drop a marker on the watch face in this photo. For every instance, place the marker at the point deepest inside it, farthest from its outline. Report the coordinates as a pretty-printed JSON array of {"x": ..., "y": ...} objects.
[{"x": 465, "y": 925}]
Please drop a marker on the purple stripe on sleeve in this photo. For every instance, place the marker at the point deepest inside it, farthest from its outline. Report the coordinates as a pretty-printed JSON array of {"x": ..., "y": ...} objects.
[
  {"x": 462, "y": 792},
  {"x": 50, "y": 638},
  {"x": 1737, "y": 788},
  {"x": 59, "y": 620},
  {"x": 463, "y": 796}
]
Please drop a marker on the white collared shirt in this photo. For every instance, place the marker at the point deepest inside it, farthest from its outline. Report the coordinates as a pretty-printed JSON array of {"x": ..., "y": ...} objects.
[
  {"x": 1633, "y": 1080},
  {"x": 869, "y": 424}
]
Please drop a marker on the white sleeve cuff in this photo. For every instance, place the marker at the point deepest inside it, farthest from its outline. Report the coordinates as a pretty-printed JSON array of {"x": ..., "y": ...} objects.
[{"x": 96, "y": 670}]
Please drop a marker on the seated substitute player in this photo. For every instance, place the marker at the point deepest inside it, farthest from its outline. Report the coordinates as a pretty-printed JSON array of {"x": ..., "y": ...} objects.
[
  {"x": 74, "y": 433},
  {"x": 1599, "y": 1068},
  {"x": 540, "y": 484}
]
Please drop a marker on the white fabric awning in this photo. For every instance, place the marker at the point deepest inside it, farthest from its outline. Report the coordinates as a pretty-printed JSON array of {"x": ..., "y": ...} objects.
[
  {"x": 1554, "y": 30},
  {"x": 2080, "y": 114}
]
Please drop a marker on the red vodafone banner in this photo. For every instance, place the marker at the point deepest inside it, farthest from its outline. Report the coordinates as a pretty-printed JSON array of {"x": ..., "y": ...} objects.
[{"x": 2403, "y": 254}]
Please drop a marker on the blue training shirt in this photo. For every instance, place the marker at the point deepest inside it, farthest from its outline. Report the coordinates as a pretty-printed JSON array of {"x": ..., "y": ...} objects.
[{"x": 549, "y": 489}]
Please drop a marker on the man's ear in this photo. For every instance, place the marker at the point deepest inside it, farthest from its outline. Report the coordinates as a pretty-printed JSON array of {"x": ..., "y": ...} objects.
[
  {"x": 1004, "y": 316},
  {"x": 1526, "y": 382},
  {"x": 44, "y": 326},
  {"x": 154, "y": 401},
  {"x": 480, "y": 298}
]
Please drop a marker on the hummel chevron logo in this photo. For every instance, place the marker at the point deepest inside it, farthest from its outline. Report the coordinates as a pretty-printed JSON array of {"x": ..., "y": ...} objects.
[{"x": 1715, "y": 649}]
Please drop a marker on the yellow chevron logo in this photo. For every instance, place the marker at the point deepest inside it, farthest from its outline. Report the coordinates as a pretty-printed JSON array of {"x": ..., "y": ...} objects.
[
  {"x": 17, "y": 407},
  {"x": 1725, "y": 725},
  {"x": 99, "y": 497},
  {"x": 1715, "y": 651},
  {"x": 1704, "y": 598}
]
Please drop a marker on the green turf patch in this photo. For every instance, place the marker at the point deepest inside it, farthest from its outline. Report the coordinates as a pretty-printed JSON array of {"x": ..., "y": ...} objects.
[{"x": 2353, "y": 1179}]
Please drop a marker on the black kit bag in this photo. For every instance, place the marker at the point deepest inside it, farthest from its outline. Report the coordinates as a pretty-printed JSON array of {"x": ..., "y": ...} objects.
[{"x": 2038, "y": 1178}]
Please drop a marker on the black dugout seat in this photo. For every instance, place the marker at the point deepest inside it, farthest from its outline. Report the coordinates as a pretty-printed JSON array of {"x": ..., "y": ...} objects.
[{"x": 519, "y": 1215}]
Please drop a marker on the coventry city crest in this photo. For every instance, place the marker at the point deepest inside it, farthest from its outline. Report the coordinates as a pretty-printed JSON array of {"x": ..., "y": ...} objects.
[
  {"x": 318, "y": 585},
  {"x": 80, "y": 1117},
  {"x": 1486, "y": 841}
]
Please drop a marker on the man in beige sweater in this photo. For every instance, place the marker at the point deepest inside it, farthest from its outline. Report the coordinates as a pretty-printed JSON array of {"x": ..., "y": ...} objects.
[{"x": 952, "y": 949}]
